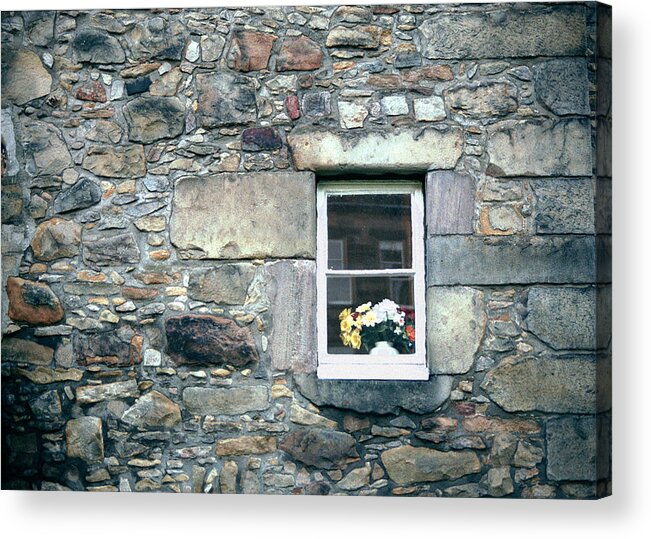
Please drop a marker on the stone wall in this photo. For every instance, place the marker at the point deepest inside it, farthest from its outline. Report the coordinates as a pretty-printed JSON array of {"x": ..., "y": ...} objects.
[{"x": 159, "y": 171}]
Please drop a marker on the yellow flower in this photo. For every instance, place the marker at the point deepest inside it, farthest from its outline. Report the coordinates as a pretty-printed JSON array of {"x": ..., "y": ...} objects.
[
  {"x": 346, "y": 324},
  {"x": 344, "y": 314},
  {"x": 355, "y": 340},
  {"x": 345, "y": 338}
]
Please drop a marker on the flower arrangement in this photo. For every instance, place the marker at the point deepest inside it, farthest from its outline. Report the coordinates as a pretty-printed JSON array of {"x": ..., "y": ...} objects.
[{"x": 384, "y": 321}]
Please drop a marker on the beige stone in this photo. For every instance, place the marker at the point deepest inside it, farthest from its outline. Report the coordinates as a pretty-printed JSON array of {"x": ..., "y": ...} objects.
[
  {"x": 402, "y": 151},
  {"x": 456, "y": 322},
  {"x": 540, "y": 148},
  {"x": 24, "y": 78},
  {"x": 546, "y": 385},
  {"x": 246, "y": 445},
  {"x": 24, "y": 351},
  {"x": 204, "y": 225},
  {"x": 406, "y": 465}
]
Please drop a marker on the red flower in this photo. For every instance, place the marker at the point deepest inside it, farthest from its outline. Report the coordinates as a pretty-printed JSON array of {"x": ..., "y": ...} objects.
[{"x": 411, "y": 333}]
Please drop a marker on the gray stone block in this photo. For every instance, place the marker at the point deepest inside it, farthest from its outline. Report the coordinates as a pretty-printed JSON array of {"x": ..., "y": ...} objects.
[
  {"x": 407, "y": 465},
  {"x": 84, "y": 439},
  {"x": 604, "y": 30},
  {"x": 540, "y": 148},
  {"x": 604, "y": 150},
  {"x": 455, "y": 327},
  {"x": 603, "y": 208},
  {"x": 44, "y": 143},
  {"x": 24, "y": 77},
  {"x": 375, "y": 151},
  {"x": 562, "y": 85},
  {"x": 572, "y": 449},
  {"x": 223, "y": 283},
  {"x": 152, "y": 118},
  {"x": 225, "y": 98},
  {"x": 204, "y": 225},
  {"x": 472, "y": 260},
  {"x": 483, "y": 100},
  {"x": 376, "y": 396},
  {"x": 544, "y": 385},
  {"x": 225, "y": 401},
  {"x": 505, "y": 33},
  {"x": 564, "y": 318},
  {"x": 564, "y": 206},
  {"x": 604, "y": 316},
  {"x": 450, "y": 203},
  {"x": 292, "y": 296},
  {"x": 604, "y": 87}
]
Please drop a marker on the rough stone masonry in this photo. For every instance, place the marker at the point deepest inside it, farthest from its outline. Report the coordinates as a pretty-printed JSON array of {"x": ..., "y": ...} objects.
[{"x": 159, "y": 171}]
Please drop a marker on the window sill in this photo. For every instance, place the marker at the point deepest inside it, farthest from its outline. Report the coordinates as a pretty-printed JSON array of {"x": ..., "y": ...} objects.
[
  {"x": 359, "y": 371},
  {"x": 376, "y": 396}
]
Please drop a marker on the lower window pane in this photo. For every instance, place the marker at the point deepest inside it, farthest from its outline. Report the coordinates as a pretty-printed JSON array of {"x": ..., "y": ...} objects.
[{"x": 362, "y": 311}]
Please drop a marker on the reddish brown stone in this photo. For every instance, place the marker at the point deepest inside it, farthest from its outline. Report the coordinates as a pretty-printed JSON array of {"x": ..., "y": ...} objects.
[
  {"x": 496, "y": 425},
  {"x": 465, "y": 408},
  {"x": 299, "y": 54},
  {"x": 33, "y": 303},
  {"x": 207, "y": 339},
  {"x": 256, "y": 139},
  {"x": 385, "y": 10},
  {"x": 440, "y": 72},
  {"x": 250, "y": 51},
  {"x": 134, "y": 292},
  {"x": 385, "y": 81},
  {"x": 91, "y": 91},
  {"x": 293, "y": 107},
  {"x": 157, "y": 278}
]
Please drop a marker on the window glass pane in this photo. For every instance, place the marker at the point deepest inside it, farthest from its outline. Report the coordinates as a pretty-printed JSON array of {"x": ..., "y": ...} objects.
[
  {"x": 361, "y": 290},
  {"x": 372, "y": 231}
]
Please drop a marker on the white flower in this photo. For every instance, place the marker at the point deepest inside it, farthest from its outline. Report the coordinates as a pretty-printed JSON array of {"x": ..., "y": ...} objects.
[{"x": 385, "y": 310}]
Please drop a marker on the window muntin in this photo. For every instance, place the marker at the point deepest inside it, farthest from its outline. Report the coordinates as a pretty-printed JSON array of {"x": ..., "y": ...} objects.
[{"x": 370, "y": 247}]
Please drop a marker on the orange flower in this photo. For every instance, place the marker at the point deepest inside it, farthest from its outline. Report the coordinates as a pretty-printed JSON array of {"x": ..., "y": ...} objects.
[{"x": 411, "y": 333}]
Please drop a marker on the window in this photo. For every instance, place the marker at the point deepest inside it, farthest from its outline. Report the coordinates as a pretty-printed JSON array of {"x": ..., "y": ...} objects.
[{"x": 371, "y": 280}]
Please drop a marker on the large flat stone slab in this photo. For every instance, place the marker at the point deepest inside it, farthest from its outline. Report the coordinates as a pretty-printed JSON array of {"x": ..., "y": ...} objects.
[
  {"x": 375, "y": 151},
  {"x": 572, "y": 453},
  {"x": 562, "y": 85},
  {"x": 376, "y": 396},
  {"x": 450, "y": 203},
  {"x": 505, "y": 33},
  {"x": 544, "y": 385},
  {"x": 473, "y": 260},
  {"x": 455, "y": 327},
  {"x": 292, "y": 296},
  {"x": 564, "y": 318},
  {"x": 540, "y": 148},
  {"x": 265, "y": 225}
]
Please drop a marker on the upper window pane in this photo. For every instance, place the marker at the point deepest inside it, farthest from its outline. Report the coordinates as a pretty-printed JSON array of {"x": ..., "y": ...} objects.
[{"x": 369, "y": 231}]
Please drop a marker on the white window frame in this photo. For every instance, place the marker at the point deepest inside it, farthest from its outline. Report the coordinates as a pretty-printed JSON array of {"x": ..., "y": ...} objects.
[{"x": 363, "y": 366}]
